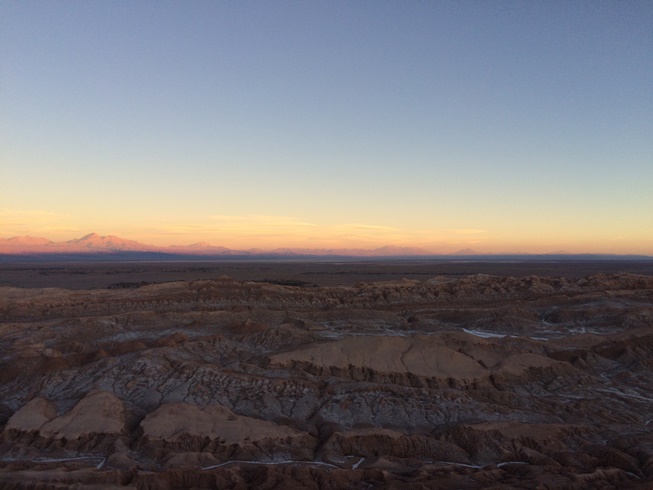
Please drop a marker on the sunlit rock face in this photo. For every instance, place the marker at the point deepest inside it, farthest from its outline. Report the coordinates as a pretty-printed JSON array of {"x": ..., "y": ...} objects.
[{"x": 475, "y": 382}]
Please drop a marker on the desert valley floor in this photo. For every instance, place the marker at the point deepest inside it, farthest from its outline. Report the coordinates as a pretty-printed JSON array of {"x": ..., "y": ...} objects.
[{"x": 448, "y": 375}]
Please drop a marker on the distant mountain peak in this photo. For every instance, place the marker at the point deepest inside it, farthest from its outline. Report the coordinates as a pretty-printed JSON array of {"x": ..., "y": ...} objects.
[
  {"x": 27, "y": 240},
  {"x": 465, "y": 251},
  {"x": 199, "y": 248},
  {"x": 90, "y": 243},
  {"x": 201, "y": 244},
  {"x": 399, "y": 250}
]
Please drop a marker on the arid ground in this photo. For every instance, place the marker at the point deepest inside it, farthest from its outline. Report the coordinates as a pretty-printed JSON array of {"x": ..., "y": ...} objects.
[
  {"x": 347, "y": 272},
  {"x": 404, "y": 374}
]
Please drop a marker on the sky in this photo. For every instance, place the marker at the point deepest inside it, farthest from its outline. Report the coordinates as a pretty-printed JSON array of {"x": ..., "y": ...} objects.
[{"x": 504, "y": 126}]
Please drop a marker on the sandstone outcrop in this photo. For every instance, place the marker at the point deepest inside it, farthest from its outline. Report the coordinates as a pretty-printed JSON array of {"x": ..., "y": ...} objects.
[{"x": 182, "y": 427}]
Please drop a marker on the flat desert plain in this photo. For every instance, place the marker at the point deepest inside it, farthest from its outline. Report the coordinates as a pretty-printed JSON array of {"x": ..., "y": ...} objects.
[{"x": 307, "y": 375}]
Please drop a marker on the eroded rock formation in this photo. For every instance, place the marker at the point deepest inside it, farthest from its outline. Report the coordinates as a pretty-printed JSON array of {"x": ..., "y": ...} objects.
[{"x": 481, "y": 381}]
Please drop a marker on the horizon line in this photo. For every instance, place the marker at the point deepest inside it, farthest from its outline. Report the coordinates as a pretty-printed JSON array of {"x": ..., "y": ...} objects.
[{"x": 205, "y": 249}]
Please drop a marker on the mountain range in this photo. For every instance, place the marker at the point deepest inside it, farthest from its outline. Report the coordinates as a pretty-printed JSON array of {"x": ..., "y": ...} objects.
[
  {"x": 94, "y": 243},
  {"x": 110, "y": 247}
]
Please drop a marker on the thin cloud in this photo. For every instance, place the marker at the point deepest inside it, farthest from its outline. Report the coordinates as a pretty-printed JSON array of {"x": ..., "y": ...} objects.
[
  {"x": 467, "y": 231},
  {"x": 274, "y": 231},
  {"x": 259, "y": 230},
  {"x": 358, "y": 226}
]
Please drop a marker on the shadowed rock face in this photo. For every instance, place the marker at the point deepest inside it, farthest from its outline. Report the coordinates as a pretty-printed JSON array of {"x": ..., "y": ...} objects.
[{"x": 469, "y": 383}]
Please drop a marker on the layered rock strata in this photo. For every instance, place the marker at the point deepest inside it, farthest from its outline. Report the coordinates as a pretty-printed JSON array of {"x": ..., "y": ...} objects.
[{"x": 481, "y": 381}]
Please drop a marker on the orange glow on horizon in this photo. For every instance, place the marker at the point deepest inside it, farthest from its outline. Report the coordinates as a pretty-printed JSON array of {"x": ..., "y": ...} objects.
[{"x": 273, "y": 232}]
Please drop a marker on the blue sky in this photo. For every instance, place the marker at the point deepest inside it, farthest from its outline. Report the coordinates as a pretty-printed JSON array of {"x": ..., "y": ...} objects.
[{"x": 500, "y": 126}]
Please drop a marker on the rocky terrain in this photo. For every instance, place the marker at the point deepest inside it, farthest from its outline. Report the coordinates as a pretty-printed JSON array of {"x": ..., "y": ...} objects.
[{"x": 470, "y": 382}]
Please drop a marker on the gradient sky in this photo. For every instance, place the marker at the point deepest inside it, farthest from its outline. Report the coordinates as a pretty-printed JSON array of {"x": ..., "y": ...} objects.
[{"x": 518, "y": 126}]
